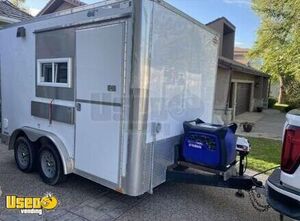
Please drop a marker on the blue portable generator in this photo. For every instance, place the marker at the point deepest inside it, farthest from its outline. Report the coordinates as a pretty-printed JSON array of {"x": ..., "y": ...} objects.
[{"x": 209, "y": 145}]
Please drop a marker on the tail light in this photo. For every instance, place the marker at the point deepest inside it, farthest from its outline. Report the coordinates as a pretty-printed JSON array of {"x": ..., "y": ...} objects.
[{"x": 290, "y": 157}]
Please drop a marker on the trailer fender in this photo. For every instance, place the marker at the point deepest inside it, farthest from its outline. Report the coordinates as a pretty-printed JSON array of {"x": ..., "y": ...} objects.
[{"x": 35, "y": 134}]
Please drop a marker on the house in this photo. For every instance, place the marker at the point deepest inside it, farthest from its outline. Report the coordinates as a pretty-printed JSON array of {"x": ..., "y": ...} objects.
[
  {"x": 240, "y": 88},
  {"x": 240, "y": 55},
  {"x": 9, "y": 13},
  {"x": 59, "y": 5}
]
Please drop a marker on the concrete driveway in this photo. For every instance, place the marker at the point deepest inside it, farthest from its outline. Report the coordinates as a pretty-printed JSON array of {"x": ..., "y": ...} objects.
[
  {"x": 81, "y": 199},
  {"x": 268, "y": 124}
]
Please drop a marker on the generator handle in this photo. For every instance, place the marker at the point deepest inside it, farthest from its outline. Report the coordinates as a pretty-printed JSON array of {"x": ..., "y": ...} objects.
[
  {"x": 233, "y": 127},
  {"x": 197, "y": 121}
]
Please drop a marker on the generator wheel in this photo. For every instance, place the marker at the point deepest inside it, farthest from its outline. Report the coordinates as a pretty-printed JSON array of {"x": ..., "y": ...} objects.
[
  {"x": 50, "y": 165},
  {"x": 25, "y": 154}
]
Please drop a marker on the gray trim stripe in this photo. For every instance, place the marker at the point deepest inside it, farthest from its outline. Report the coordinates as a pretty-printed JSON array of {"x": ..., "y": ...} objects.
[
  {"x": 99, "y": 102},
  {"x": 59, "y": 113}
]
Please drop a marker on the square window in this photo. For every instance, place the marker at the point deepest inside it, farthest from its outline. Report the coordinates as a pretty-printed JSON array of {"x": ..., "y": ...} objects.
[{"x": 54, "y": 72}]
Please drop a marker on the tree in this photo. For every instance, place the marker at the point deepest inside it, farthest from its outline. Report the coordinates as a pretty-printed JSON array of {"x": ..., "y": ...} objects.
[
  {"x": 18, "y": 3},
  {"x": 278, "y": 40}
]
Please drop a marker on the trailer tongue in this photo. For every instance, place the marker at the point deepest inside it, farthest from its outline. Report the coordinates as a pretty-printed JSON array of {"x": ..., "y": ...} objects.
[
  {"x": 207, "y": 156},
  {"x": 183, "y": 172}
]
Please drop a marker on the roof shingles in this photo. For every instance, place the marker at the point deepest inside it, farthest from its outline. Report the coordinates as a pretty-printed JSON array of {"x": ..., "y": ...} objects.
[
  {"x": 54, "y": 6},
  {"x": 229, "y": 63},
  {"x": 7, "y": 9}
]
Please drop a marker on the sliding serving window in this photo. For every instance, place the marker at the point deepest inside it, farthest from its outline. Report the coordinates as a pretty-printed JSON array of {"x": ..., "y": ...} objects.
[{"x": 55, "y": 72}]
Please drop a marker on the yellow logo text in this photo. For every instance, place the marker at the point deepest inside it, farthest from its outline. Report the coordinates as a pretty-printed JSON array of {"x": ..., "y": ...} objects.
[{"x": 48, "y": 202}]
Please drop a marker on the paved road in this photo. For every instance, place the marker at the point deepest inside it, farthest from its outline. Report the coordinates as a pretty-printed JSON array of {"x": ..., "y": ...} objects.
[{"x": 81, "y": 199}]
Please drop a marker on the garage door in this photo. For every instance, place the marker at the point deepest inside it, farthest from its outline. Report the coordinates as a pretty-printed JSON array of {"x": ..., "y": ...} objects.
[{"x": 243, "y": 98}]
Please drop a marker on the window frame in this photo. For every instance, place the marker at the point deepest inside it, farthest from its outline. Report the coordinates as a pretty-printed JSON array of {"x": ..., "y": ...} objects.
[{"x": 53, "y": 61}]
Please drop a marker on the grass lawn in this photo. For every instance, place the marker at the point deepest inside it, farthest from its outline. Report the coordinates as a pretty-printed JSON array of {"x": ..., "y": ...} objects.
[
  {"x": 281, "y": 107},
  {"x": 265, "y": 154}
]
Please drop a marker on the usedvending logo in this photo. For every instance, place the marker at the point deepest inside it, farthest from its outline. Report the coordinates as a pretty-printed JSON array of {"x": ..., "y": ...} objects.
[{"x": 32, "y": 205}]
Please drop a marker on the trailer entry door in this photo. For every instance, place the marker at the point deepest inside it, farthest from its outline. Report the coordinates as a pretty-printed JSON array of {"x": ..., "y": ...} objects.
[{"x": 99, "y": 74}]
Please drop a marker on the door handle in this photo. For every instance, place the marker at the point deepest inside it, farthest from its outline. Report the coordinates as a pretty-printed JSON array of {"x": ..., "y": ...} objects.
[{"x": 78, "y": 106}]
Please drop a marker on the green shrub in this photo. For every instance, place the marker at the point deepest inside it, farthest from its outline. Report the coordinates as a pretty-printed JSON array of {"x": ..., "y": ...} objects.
[
  {"x": 281, "y": 107},
  {"x": 271, "y": 102},
  {"x": 285, "y": 107},
  {"x": 293, "y": 93},
  {"x": 291, "y": 107}
]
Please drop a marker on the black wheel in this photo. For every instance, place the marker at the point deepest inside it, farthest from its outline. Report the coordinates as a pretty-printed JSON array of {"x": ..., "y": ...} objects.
[
  {"x": 50, "y": 165},
  {"x": 25, "y": 154}
]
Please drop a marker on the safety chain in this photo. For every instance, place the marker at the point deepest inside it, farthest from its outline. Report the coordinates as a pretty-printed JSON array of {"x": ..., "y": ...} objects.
[{"x": 255, "y": 203}]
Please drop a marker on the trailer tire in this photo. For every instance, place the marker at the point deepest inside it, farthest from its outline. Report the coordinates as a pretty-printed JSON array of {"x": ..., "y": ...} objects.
[
  {"x": 50, "y": 165},
  {"x": 25, "y": 154}
]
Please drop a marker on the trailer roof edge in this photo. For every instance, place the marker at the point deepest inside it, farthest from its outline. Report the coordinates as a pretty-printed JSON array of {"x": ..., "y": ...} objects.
[
  {"x": 105, "y": 3},
  {"x": 100, "y": 20},
  {"x": 185, "y": 15},
  {"x": 65, "y": 12}
]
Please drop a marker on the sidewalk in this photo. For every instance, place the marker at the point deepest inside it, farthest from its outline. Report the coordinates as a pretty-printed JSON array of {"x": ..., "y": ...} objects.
[{"x": 268, "y": 124}]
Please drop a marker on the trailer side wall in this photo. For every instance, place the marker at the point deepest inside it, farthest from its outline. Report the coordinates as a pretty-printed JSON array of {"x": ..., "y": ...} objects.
[
  {"x": 25, "y": 104},
  {"x": 183, "y": 69}
]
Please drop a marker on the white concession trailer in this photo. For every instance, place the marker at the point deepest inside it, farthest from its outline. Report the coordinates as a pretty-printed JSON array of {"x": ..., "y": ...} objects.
[{"x": 102, "y": 90}]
